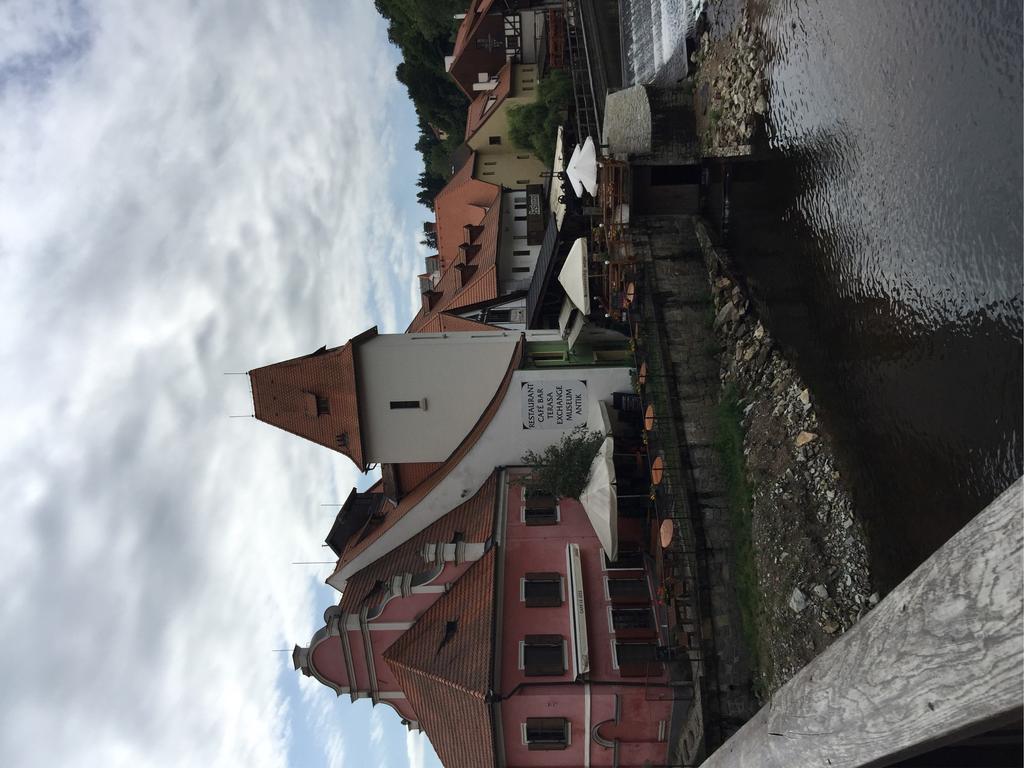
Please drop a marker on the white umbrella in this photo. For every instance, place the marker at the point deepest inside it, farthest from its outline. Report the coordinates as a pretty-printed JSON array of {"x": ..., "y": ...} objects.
[
  {"x": 577, "y": 185},
  {"x": 600, "y": 500},
  {"x": 575, "y": 276},
  {"x": 582, "y": 167}
]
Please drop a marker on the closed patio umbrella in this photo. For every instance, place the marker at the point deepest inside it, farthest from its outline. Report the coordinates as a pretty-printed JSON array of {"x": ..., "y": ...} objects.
[{"x": 577, "y": 185}]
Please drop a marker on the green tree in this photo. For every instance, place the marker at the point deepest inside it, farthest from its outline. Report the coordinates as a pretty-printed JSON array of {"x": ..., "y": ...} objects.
[
  {"x": 563, "y": 469},
  {"x": 534, "y": 127}
]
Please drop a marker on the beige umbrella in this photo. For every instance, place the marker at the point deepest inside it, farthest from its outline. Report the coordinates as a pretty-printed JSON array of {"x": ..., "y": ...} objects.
[
  {"x": 575, "y": 276},
  {"x": 600, "y": 500}
]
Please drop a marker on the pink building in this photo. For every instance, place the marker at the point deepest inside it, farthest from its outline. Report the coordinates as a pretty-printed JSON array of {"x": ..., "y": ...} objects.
[{"x": 483, "y": 612}]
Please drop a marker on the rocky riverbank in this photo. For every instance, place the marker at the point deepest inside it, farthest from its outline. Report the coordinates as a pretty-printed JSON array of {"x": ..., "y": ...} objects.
[
  {"x": 729, "y": 90},
  {"x": 809, "y": 550}
]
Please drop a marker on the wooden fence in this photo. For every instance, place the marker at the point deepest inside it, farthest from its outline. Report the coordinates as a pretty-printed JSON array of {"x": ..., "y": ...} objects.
[{"x": 939, "y": 660}]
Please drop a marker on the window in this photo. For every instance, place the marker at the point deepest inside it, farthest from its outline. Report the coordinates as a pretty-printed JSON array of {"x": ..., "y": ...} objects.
[
  {"x": 546, "y": 516},
  {"x": 522, "y": 157},
  {"x": 628, "y": 590},
  {"x": 636, "y": 659},
  {"x": 543, "y": 655},
  {"x": 632, "y": 618},
  {"x": 520, "y": 253},
  {"x": 522, "y": 181},
  {"x": 491, "y": 162},
  {"x": 494, "y": 139},
  {"x": 542, "y": 590},
  {"x": 540, "y": 508},
  {"x": 546, "y": 733},
  {"x": 520, "y": 218},
  {"x": 323, "y": 406},
  {"x": 521, "y": 270},
  {"x": 553, "y": 356},
  {"x": 341, "y": 440},
  {"x": 499, "y": 315},
  {"x": 401, "y": 404},
  {"x": 629, "y": 557}
]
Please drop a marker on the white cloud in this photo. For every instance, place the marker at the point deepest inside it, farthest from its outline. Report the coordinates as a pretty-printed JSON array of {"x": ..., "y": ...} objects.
[
  {"x": 376, "y": 727},
  {"x": 185, "y": 189},
  {"x": 415, "y": 752},
  {"x": 334, "y": 750}
]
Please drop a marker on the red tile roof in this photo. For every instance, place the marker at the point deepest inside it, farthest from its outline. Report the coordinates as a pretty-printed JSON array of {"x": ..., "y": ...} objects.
[
  {"x": 411, "y": 474},
  {"x": 413, "y": 498},
  {"x": 440, "y": 322},
  {"x": 472, "y": 278},
  {"x": 479, "y": 110},
  {"x": 464, "y": 200},
  {"x": 444, "y": 664},
  {"x": 474, "y": 519},
  {"x": 468, "y": 58},
  {"x": 291, "y": 395}
]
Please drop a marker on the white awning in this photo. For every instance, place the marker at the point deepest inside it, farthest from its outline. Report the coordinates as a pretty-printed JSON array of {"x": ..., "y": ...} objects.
[
  {"x": 575, "y": 276},
  {"x": 600, "y": 500},
  {"x": 555, "y": 186},
  {"x": 565, "y": 317},
  {"x": 582, "y": 168},
  {"x": 579, "y": 322}
]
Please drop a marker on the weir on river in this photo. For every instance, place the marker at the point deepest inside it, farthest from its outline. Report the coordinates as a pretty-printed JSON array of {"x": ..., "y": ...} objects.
[{"x": 654, "y": 36}]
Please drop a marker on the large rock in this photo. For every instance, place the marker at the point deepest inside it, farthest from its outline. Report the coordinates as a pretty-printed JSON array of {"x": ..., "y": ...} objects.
[{"x": 798, "y": 600}]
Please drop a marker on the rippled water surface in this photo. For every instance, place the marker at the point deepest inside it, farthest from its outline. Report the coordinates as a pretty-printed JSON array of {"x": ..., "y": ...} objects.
[{"x": 880, "y": 233}]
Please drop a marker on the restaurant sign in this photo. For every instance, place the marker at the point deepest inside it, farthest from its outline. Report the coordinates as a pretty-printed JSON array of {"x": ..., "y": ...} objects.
[{"x": 554, "y": 404}]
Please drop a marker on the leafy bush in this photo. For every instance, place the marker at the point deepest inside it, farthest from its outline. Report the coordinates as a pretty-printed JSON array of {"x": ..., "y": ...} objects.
[
  {"x": 534, "y": 127},
  {"x": 563, "y": 469}
]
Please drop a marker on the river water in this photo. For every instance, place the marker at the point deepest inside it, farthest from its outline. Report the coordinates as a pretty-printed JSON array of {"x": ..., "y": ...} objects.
[{"x": 879, "y": 231}]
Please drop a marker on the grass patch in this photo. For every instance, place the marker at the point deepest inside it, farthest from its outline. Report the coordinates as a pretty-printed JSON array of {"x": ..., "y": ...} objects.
[{"x": 739, "y": 493}]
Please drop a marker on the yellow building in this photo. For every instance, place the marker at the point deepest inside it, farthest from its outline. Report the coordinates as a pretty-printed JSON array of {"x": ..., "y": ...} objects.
[{"x": 498, "y": 160}]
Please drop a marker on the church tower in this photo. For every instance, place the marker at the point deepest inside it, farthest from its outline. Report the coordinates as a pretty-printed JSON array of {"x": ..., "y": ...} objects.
[
  {"x": 387, "y": 399},
  {"x": 315, "y": 397}
]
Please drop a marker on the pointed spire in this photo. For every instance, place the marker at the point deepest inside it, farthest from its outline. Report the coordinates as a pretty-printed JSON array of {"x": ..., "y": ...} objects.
[{"x": 315, "y": 397}]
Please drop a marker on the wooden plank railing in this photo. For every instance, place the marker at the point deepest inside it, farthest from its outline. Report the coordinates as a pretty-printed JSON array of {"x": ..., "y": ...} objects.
[{"x": 940, "y": 659}]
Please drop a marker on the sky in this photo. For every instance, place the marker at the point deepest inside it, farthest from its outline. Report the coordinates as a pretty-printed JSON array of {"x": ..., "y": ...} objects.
[{"x": 186, "y": 190}]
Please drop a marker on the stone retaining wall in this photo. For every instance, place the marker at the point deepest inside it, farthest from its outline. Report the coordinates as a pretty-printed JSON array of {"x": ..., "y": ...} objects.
[{"x": 682, "y": 308}]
